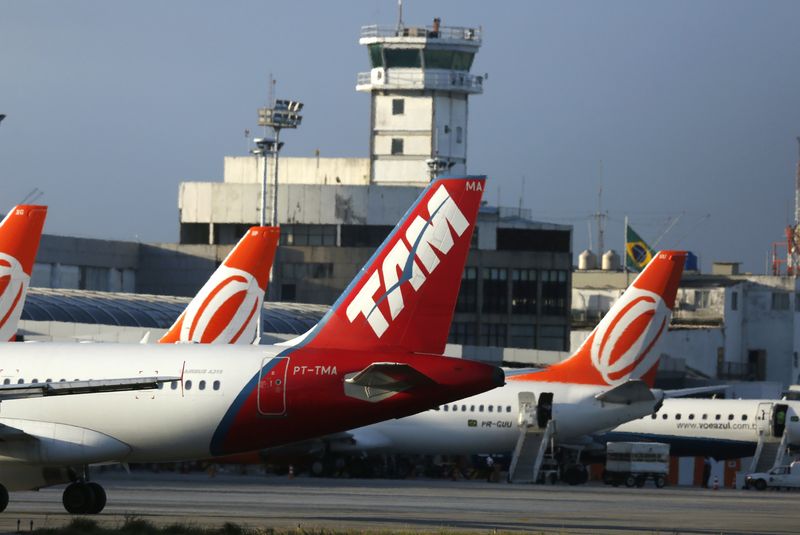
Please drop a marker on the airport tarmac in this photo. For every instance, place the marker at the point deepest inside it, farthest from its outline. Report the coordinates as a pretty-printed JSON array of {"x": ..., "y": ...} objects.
[{"x": 377, "y": 504}]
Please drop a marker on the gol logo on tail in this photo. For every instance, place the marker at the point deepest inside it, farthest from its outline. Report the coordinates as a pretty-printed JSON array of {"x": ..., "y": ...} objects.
[
  {"x": 13, "y": 283},
  {"x": 224, "y": 309},
  {"x": 621, "y": 347}
]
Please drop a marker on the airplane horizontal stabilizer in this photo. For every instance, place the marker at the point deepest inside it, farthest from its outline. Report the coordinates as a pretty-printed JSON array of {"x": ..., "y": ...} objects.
[
  {"x": 689, "y": 392},
  {"x": 628, "y": 392},
  {"x": 381, "y": 380},
  {"x": 92, "y": 386}
]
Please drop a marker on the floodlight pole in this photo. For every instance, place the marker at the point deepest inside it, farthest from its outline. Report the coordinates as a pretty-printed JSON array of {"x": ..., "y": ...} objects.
[
  {"x": 274, "y": 222},
  {"x": 263, "y": 220}
]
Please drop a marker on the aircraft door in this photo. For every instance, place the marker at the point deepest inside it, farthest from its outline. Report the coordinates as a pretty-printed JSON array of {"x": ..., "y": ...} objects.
[
  {"x": 764, "y": 418},
  {"x": 779, "y": 419},
  {"x": 544, "y": 410},
  {"x": 527, "y": 409},
  {"x": 272, "y": 386}
]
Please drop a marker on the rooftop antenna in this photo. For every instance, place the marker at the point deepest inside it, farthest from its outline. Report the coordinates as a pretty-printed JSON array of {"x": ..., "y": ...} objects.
[
  {"x": 399, "y": 15},
  {"x": 521, "y": 195},
  {"x": 600, "y": 216},
  {"x": 32, "y": 196}
]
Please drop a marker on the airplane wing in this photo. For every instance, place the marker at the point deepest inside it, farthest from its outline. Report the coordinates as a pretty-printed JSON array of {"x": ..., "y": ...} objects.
[
  {"x": 92, "y": 386},
  {"x": 632, "y": 391},
  {"x": 381, "y": 380}
]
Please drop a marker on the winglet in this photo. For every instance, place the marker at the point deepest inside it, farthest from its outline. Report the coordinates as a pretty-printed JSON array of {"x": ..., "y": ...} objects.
[
  {"x": 621, "y": 347},
  {"x": 20, "y": 233},
  {"x": 404, "y": 296},
  {"x": 225, "y": 310}
]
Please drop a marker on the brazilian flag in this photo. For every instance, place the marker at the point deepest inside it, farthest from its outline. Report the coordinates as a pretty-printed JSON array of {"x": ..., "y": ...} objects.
[{"x": 638, "y": 253}]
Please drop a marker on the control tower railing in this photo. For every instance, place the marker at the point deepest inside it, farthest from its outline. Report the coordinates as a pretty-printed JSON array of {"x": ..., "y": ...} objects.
[
  {"x": 442, "y": 32},
  {"x": 419, "y": 79}
]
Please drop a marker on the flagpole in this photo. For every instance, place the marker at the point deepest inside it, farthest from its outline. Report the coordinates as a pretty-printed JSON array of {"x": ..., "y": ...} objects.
[{"x": 625, "y": 248}]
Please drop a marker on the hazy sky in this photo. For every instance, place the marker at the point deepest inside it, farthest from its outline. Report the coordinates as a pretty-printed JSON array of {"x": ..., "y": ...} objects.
[{"x": 692, "y": 107}]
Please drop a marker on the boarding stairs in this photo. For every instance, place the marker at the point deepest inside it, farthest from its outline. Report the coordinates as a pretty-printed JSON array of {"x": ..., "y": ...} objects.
[
  {"x": 534, "y": 447},
  {"x": 769, "y": 452}
]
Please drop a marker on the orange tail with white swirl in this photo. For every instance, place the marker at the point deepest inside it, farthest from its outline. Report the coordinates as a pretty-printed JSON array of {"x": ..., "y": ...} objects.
[
  {"x": 621, "y": 347},
  {"x": 225, "y": 311},
  {"x": 20, "y": 233}
]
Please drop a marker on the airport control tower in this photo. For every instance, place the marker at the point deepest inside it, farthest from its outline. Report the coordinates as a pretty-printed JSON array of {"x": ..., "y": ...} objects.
[{"x": 420, "y": 86}]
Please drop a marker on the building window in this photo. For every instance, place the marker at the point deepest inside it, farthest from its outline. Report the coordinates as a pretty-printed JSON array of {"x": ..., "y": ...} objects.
[
  {"x": 468, "y": 294},
  {"x": 780, "y": 301},
  {"x": 734, "y": 301},
  {"x": 398, "y": 106},
  {"x": 364, "y": 235},
  {"x": 463, "y": 333},
  {"x": 493, "y": 334},
  {"x": 288, "y": 292},
  {"x": 523, "y": 336},
  {"x": 301, "y": 235},
  {"x": 552, "y": 337},
  {"x": 554, "y": 291},
  {"x": 523, "y": 239},
  {"x": 459, "y": 134},
  {"x": 495, "y": 290},
  {"x": 397, "y": 145},
  {"x": 311, "y": 270},
  {"x": 523, "y": 291}
]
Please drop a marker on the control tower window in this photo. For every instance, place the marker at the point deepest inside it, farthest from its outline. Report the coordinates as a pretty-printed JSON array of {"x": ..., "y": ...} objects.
[
  {"x": 398, "y": 106},
  {"x": 402, "y": 57},
  {"x": 397, "y": 145},
  {"x": 439, "y": 59},
  {"x": 462, "y": 61},
  {"x": 375, "y": 56}
]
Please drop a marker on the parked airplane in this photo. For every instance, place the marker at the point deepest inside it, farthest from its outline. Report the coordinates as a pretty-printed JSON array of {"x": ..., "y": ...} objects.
[
  {"x": 20, "y": 233},
  {"x": 606, "y": 382},
  {"x": 226, "y": 310},
  {"x": 718, "y": 428},
  {"x": 373, "y": 356}
]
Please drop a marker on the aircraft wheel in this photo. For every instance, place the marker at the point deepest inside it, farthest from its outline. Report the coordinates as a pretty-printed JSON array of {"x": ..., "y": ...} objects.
[
  {"x": 761, "y": 484},
  {"x": 660, "y": 481},
  {"x": 3, "y": 498},
  {"x": 630, "y": 481},
  {"x": 640, "y": 481},
  {"x": 99, "y": 494},
  {"x": 78, "y": 499}
]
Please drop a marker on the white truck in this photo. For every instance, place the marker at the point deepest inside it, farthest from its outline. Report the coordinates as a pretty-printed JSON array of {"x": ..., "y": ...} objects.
[
  {"x": 633, "y": 463},
  {"x": 780, "y": 476}
]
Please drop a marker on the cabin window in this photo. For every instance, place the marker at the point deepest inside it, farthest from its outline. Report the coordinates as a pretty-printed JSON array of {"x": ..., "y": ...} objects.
[
  {"x": 35, "y": 381},
  {"x": 201, "y": 385},
  {"x": 472, "y": 408},
  {"x": 730, "y": 417},
  {"x": 21, "y": 381},
  {"x": 48, "y": 380},
  {"x": 508, "y": 408},
  {"x": 744, "y": 417},
  {"x": 446, "y": 408},
  {"x": 455, "y": 408},
  {"x": 678, "y": 416},
  {"x": 664, "y": 416},
  {"x": 188, "y": 384},
  {"x": 691, "y": 416},
  {"x": 216, "y": 387},
  {"x": 480, "y": 408},
  {"x": 653, "y": 416},
  {"x": 62, "y": 380},
  {"x": 6, "y": 381},
  {"x": 491, "y": 408},
  {"x": 174, "y": 385},
  {"x": 160, "y": 386},
  {"x": 795, "y": 418},
  {"x": 463, "y": 408},
  {"x": 705, "y": 417},
  {"x": 718, "y": 416}
]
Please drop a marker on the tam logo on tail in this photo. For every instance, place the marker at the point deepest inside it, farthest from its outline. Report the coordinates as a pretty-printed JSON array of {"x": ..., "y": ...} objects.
[{"x": 424, "y": 238}]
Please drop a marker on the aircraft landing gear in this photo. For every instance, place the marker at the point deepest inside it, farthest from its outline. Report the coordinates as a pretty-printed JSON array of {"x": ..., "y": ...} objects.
[
  {"x": 3, "y": 498},
  {"x": 575, "y": 474},
  {"x": 81, "y": 498}
]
